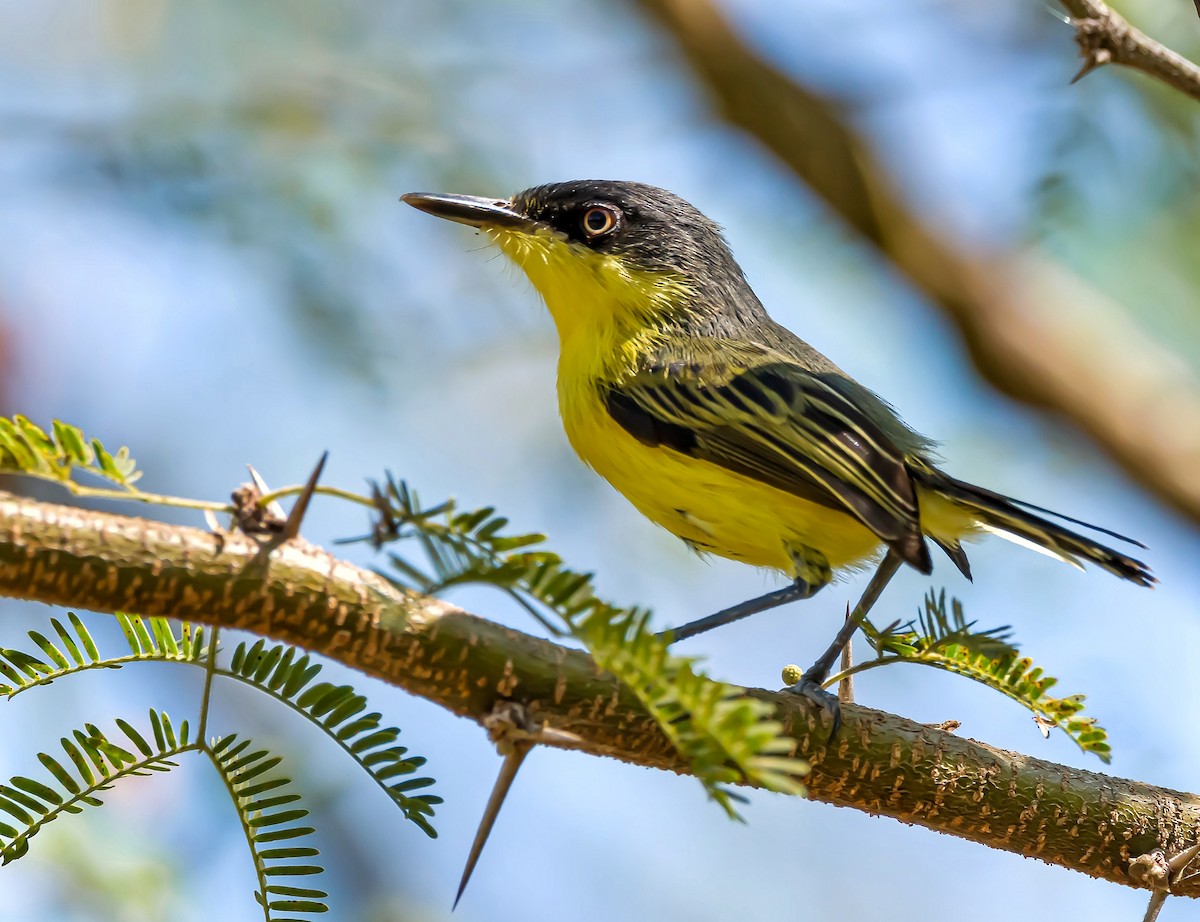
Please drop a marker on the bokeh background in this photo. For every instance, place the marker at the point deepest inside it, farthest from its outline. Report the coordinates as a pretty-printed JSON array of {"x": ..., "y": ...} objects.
[{"x": 202, "y": 256}]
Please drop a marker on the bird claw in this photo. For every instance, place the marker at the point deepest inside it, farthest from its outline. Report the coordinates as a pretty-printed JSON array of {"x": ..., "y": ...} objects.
[{"x": 824, "y": 700}]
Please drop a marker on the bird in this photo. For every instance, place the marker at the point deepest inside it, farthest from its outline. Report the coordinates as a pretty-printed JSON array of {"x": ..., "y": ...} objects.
[{"x": 724, "y": 427}]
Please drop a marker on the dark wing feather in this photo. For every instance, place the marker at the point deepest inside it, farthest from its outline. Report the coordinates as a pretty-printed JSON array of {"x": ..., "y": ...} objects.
[{"x": 784, "y": 426}]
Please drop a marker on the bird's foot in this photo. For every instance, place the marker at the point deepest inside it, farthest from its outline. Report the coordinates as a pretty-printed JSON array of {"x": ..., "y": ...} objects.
[{"x": 825, "y": 701}]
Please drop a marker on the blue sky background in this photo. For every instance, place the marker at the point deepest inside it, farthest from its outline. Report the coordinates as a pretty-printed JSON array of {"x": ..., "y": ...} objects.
[{"x": 202, "y": 256}]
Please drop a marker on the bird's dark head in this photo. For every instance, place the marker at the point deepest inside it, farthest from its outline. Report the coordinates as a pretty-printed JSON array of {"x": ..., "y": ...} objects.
[
  {"x": 603, "y": 252},
  {"x": 650, "y": 227}
]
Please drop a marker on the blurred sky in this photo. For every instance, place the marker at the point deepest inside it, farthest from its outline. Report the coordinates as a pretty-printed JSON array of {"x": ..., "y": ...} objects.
[{"x": 202, "y": 256}]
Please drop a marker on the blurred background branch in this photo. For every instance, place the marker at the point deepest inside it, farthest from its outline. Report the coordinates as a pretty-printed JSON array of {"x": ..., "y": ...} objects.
[
  {"x": 1105, "y": 37},
  {"x": 1034, "y": 331}
]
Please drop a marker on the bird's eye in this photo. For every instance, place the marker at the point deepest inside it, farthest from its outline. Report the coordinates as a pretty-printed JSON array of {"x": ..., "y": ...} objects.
[{"x": 598, "y": 221}]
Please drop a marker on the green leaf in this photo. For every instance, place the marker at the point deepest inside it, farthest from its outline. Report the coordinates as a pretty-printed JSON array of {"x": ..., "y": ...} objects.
[
  {"x": 944, "y": 639},
  {"x": 14, "y": 809},
  {"x": 37, "y": 789},
  {"x": 277, "y": 835},
  {"x": 151, "y": 639},
  {"x": 67, "y": 641},
  {"x": 61, "y": 775},
  {"x": 266, "y": 803},
  {"x": 135, "y": 737},
  {"x": 73, "y": 444},
  {"x": 33, "y": 803},
  {"x": 302, "y": 892},
  {"x": 52, "y": 652},
  {"x": 89, "y": 645},
  {"x": 164, "y": 637},
  {"x": 338, "y": 711},
  {"x": 297, "y": 906},
  {"x": 82, "y": 766},
  {"x": 263, "y": 823},
  {"x": 144, "y": 639},
  {"x": 27, "y": 449}
]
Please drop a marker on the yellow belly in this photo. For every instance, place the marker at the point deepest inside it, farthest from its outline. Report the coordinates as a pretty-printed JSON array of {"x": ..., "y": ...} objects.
[
  {"x": 717, "y": 510},
  {"x": 603, "y": 309}
]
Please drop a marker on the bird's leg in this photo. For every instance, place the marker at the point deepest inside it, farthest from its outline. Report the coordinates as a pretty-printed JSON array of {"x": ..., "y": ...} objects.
[
  {"x": 791, "y": 593},
  {"x": 810, "y": 685}
]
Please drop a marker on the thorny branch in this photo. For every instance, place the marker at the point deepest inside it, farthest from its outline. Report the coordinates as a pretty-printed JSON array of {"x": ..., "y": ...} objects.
[
  {"x": 1105, "y": 37},
  {"x": 299, "y": 594}
]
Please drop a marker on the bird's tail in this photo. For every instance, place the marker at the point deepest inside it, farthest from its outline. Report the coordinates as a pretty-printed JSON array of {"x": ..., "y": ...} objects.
[{"x": 1027, "y": 524}]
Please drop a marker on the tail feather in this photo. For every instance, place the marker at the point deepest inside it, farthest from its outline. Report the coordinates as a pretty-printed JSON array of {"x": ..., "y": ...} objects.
[
  {"x": 957, "y": 555},
  {"x": 984, "y": 492},
  {"x": 1018, "y": 521}
]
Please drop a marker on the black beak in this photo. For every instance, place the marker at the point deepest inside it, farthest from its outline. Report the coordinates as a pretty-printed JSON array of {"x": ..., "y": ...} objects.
[{"x": 471, "y": 210}]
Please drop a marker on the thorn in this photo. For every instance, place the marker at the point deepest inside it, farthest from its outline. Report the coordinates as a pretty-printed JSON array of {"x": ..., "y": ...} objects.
[
  {"x": 1095, "y": 59},
  {"x": 291, "y": 528},
  {"x": 273, "y": 508},
  {"x": 561, "y": 739},
  {"x": 1179, "y": 863},
  {"x": 845, "y": 690},
  {"x": 1156, "y": 904},
  {"x": 514, "y": 732},
  {"x": 1093, "y": 36},
  {"x": 508, "y": 773}
]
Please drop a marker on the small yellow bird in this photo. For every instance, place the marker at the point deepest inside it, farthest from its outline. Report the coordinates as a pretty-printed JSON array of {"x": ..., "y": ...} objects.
[
  {"x": 717, "y": 423},
  {"x": 722, "y": 426}
]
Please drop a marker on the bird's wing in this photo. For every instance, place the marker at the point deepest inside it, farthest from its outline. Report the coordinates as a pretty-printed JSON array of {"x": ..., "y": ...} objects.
[{"x": 781, "y": 424}]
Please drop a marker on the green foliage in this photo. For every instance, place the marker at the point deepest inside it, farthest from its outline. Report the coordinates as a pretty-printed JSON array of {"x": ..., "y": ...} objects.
[
  {"x": 725, "y": 735},
  {"x": 149, "y": 639},
  {"x": 339, "y": 711},
  {"x": 271, "y": 819},
  {"x": 946, "y": 640},
  {"x": 267, "y": 806},
  {"x": 268, "y": 810},
  {"x": 92, "y": 763},
  {"x": 938, "y": 633},
  {"x": 280, "y": 671},
  {"x": 57, "y": 455}
]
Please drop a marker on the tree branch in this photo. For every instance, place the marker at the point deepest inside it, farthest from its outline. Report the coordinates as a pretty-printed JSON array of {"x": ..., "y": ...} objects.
[
  {"x": 299, "y": 594},
  {"x": 1034, "y": 331},
  {"x": 1105, "y": 37}
]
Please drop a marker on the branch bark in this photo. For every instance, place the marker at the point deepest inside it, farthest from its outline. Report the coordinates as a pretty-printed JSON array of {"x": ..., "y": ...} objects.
[
  {"x": 299, "y": 594},
  {"x": 1106, "y": 37},
  {"x": 1034, "y": 331}
]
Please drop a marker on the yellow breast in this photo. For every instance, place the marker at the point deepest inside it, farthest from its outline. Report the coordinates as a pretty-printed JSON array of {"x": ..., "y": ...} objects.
[
  {"x": 602, "y": 309},
  {"x": 716, "y": 510}
]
